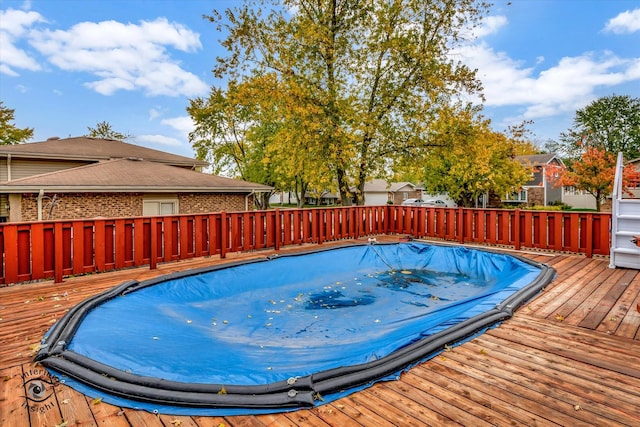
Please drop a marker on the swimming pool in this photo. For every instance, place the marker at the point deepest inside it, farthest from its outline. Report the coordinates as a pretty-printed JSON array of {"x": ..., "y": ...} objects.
[{"x": 283, "y": 332}]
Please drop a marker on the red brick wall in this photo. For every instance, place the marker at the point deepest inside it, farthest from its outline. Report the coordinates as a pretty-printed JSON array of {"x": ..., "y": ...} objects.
[
  {"x": 82, "y": 205},
  {"x": 212, "y": 202},
  {"x": 535, "y": 196},
  {"x": 112, "y": 205}
]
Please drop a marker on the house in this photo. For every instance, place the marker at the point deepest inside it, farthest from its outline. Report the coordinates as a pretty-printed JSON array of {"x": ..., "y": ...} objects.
[
  {"x": 282, "y": 198},
  {"x": 538, "y": 191},
  {"x": 380, "y": 192},
  {"x": 584, "y": 200},
  {"x": 634, "y": 188},
  {"x": 86, "y": 177}
]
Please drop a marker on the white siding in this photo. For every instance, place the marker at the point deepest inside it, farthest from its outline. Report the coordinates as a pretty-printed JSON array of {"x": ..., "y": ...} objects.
[
  {"x": 376, "y": 199},
  {"x": 22, "y": 168}
]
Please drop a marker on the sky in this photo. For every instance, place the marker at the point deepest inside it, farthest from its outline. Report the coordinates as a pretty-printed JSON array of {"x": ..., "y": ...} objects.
[{"x": 67, "y": 65}]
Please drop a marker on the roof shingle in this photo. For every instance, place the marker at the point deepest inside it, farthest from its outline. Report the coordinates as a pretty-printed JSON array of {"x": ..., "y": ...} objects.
[
  {"x": 129, "y": 175},
  {"x": 86, "y": 148}
]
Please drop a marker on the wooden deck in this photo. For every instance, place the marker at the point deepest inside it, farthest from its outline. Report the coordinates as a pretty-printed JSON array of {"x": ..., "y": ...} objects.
[{"x": 570, "y": 357}]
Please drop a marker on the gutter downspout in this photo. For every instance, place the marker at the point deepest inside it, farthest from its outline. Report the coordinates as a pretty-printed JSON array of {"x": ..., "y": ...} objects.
[
  {"x": 9, "y": 167},
  {"x": 544, "y": 185},
  {"x": 246, "y": 199},
  {"x": 40, "y": 196}
]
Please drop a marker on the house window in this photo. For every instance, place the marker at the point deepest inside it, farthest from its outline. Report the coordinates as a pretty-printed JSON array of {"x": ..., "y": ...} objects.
[
  {"x": 573, "y": 191},
  {"x": 405, "y": 195},
  {"x": 160, "y": 206},
  {"x": 518, "y": 196}
]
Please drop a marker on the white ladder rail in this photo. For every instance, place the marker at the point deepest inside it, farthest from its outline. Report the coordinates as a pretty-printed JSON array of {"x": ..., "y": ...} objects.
[{"x": 625, "y": 224}]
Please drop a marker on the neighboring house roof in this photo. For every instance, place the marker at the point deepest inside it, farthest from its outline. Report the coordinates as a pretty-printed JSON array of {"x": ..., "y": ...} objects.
[
  {"x": 537, "y": 159},
  {"x": 93, "y": 149},
  {"x": 382, "y": 186},
  {"x": 129, "y": 175}
]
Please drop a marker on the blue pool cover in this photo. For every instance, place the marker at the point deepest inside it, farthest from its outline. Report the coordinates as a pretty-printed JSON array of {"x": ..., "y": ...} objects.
[{"x": 283, "y": 332}]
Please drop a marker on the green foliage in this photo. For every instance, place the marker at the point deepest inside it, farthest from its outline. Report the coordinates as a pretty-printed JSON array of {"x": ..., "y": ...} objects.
[
  {"x": 610, "y": 123},
  {"x": 543, "y": 208},
  {"x": 103, "y": 130},
  {"x": 594, "y": 172},
  {"x": 340, "y": 88},
  {"x": 472, "y": 160},
  {"x": 9, "y": 133}
]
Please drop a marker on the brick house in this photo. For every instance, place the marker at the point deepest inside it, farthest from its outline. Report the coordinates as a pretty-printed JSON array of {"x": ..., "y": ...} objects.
[
  {"x": 85, "y": 177},
  {"x": 538, "y": 191},
  {"x": 380, "y": 192}
]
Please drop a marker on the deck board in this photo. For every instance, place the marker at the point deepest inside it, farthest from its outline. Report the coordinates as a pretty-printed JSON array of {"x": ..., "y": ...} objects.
[{"x": 571, "y": 356}]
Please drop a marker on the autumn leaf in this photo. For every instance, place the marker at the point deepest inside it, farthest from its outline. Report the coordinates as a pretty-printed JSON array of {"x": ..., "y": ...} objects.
[{"x": 96, "y": 401}]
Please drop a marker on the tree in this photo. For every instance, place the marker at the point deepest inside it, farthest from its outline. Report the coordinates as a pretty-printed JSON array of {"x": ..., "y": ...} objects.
[
  {"x": 236, "y": 132},
  {"x": 103, "y": 130},
  {"x": 610, "y": 123},
  {"x": 473, "y": 161},
  {"x": 594, "y": 173},
  {"x": 9, "y": 133},
  {"x": 357, "y": 81}
]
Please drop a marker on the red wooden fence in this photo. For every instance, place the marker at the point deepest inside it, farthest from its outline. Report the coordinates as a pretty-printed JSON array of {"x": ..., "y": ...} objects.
[{"x": 54, "y": 249}]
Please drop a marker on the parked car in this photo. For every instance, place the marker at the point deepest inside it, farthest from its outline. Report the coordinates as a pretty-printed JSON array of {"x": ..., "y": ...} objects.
[
  {"x": 436, "y": 202},
  {"x": 413, "y": 202}
]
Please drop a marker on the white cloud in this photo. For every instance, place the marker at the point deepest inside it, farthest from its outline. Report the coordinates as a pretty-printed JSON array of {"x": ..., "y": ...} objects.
[
  {"x": 183, "y": 124},
  {"x": 490, "y": 25},
  {"x": 160, "y": 140},
  {"x": 15, "y": 25},
  {"x": 154, "y": 113},
  {"x": 560, "y": 89},
  {"x": 625, "y": 23},
  {"x": 125, "y": 56}
]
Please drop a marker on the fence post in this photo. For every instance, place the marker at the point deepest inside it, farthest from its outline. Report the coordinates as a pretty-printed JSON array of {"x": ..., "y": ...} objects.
[
  {"x": 153, "y": 242},
  {"x": 460, "y": 225},
  {"x": 58, "y": 242},
  {"x": 10, "y": 235},
  {"x": 277, "y": 230},
  {"x": 516, "y": 229},
  {"x": 589, "y": 236},
  {"x": 224, "y": 233}
]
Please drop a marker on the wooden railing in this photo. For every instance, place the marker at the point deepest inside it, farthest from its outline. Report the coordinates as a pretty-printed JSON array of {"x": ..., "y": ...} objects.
[{"x": 54, "y": 249}]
